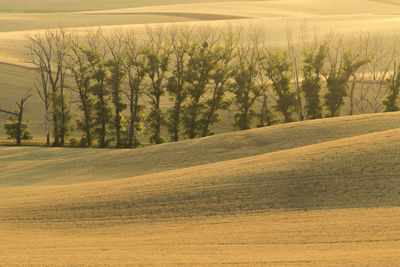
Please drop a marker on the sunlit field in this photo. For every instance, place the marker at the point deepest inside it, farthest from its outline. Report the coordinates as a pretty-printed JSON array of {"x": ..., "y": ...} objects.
[
  {"x": 329, "y": 197},
  {"x": 318, "y": 192}
]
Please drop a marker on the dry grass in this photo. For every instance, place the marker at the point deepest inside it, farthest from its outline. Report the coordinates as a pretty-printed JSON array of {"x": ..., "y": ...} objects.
[
  {"x": 346, "y": 237},
  {"x": 270, "y": 197},
  {"x": 65, "y": 166},
  {"x": 359, "y": 171}
]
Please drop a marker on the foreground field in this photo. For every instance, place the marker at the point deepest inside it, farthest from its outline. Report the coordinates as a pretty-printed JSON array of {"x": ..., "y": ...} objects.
[
  {"x": 343, "y": 237},
  {"x": 322, "y": 192}
]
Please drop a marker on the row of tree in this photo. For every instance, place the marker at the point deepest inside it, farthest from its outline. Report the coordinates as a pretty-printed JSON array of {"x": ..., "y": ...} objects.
[{"x": 119, "y": 81}]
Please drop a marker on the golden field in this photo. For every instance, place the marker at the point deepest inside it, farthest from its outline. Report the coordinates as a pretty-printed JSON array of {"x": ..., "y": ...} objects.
[
  {"x": 313, "y": 193},
  {"x": 323, "y": 192}
]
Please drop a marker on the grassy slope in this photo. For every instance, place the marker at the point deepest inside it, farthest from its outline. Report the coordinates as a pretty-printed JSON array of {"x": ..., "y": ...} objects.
[
  {"x": 345, "y": 191},
  {"x": 355, "y": 172},
  {"x": 24, "y": 166}
]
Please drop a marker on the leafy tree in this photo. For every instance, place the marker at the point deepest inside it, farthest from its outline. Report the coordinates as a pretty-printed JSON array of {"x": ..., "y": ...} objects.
[
  {"x": 15, "y": 127},
  {"x": 278, "y": 71},
  {"x": 102, "y": 110},
  {"x": 158, "y": 55},
  {"x": 177, "y": 81},
  {"x": 266, "y": 116},
  {"x": 17, "y": 130},
  {"x": 220, "y": 78},
  {"x": 62, "y": 109},
  {"x": 313, "y": 64},
  {"x": 82, "y": 74},
  {"x": 135, "y": 64},
  {"x": 244, "y": 88},
  {"x": 117, "y": 70},
  {"x": 199, "y": 74},
  {"x": 394, "y": 90},
  {"x": 337, "y": 79}
]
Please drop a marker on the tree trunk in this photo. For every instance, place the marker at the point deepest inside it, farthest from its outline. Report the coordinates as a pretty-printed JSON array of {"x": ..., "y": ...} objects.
[
  {"x": 132, "y": 119},
  {"x": 177, "y": 118},
  {"x": 157, "y": 134},
  {"x": 63, "y": 118},
  {"x": 19, "y": 123},
  {"x": 117, "y": 122},
  {"x": 56, "y": 128},
  {"x": 103, "y": 119},
  {"x": 353, "y": 86},
  {"x": 47, "y": 126}
]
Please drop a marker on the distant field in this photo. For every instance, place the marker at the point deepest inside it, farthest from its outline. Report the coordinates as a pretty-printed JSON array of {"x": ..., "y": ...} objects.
[
  {"x": 347, "y": 17},
  {"x": 392, "y": 2},
  {"x": 28, "y": 22},
  {"x": 310, "y": 193},
  {"x": 75, "y": 5}
]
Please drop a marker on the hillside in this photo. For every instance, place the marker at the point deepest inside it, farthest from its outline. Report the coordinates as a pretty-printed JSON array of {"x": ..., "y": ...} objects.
[
  {"x": 327, "y": 195},
  {"x": 27, "y": 165},
  {"x": 354, "y": 172}
]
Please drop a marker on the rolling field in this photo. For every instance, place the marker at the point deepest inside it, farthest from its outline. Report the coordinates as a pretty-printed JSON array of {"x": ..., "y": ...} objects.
[
  {"x": 75, "y": 5},
  {"x": 313, "y": 193},
  {"x": 323, "y": 192}
]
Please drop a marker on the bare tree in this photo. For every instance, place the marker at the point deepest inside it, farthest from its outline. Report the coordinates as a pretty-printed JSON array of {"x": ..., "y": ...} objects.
[
  {"x": 381, "y": 67},
  {"x": 42, "y": 89},
  {"x": 15, "y": 127},
  {"x": 295, "y": 58},
  {"x": 48, "y": 52},
  {"x": 358, "y": 54}
]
